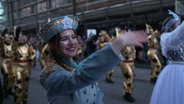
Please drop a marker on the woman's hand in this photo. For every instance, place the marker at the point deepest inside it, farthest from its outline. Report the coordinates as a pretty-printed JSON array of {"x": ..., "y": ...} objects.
[{"x": 132, "y": 38}]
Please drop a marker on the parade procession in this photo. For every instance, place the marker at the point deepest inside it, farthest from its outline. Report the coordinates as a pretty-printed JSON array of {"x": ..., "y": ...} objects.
[{"x": 91, "y": 51}]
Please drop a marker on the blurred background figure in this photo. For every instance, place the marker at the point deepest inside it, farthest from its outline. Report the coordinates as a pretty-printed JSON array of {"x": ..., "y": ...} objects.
[
  {"x": 127, "y": 67},
  {"x": 152, "y": 53},
  {"x": 6, "y": 65},
  {"x": 34, "y": 43},
  {"x": 23, "y": 55},
  {"x": 81, "y": 47},
  {"x": 90, "y": 44},
  {"x": 1, "y": 92},
  {"x": 5, "y": 31}
]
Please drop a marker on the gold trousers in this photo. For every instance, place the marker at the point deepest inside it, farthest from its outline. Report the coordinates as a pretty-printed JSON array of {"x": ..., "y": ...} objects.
[
  {"x": 154, "y": 63},
  {"x": 127, "y": 69},
  {"x": 21, "y": 73},
  {"x": 8, "y": 80}
]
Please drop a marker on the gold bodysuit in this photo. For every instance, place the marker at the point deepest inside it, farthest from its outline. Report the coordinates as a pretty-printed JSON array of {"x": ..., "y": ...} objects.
[
  {"x": 127, "y": 66},
  {"x": 23, "y": 55},
  {"x": 152, "y": 53},
  {"x": 103, "y": 39},
  {"x": 6, "y": 64}
]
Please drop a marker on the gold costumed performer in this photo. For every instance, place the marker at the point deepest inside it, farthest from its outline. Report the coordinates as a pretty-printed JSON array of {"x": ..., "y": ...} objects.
[
  {"x": 23, "y": 55},
  {"x": 127, "y": 67},
  {"x": 152, "y": 53},
  {"x": 103, "y": 39},
  {"x": 2, "y": 73},
  {"x": 6, "y": 65}
]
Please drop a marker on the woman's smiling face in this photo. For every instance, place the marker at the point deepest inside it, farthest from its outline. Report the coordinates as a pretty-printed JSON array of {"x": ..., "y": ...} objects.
[{"x": 68, "y": 43}]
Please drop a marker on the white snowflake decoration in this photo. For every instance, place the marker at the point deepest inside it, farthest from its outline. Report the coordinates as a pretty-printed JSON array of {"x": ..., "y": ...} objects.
[{"x": 67, "y": 22}]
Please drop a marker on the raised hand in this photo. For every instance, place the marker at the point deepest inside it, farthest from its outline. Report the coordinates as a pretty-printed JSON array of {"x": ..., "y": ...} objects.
[{"x": 135, "y": 38}]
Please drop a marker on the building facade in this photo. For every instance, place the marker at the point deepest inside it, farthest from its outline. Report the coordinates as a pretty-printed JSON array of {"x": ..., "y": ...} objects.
[
  {"x": 94, "y": 15},
  {"x": 32, "y": 14}
]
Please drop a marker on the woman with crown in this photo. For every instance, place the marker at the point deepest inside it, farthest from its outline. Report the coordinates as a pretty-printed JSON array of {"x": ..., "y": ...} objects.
[
  {"x": 170, "y": 83},
  {"x": 65, "y": 79}
]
